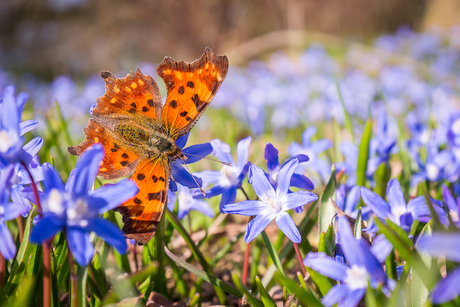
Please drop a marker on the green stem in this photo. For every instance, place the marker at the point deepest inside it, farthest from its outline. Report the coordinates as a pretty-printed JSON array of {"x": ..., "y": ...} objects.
[
  {"x": 158, "y": 254},
  {"x": 73, "y": 281}
]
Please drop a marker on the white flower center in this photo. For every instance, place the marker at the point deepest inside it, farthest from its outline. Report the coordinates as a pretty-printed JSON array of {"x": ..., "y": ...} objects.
[
  {"x": 356, "y": 277},
  {"x": 275, "y": 204},
  {"x": 231, "y": 173},
  {"x": 432, "y": 171},
  {"x": 456, "y": 126},
  {"x": 78, "y": 211},
  {"x": 2, "y": 210},
  {"x": 425, "y": 137},
  {"x": 55, "y": 202},
  {"x": 7, "y": 140},
  {"x": 453, "y": 215}
]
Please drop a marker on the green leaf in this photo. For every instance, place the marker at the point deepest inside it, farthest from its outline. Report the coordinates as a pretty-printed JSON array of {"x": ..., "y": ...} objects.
[
  {"x": 407, "y": 251},
  {"x": 390, "y": 264},
  {"x": 113, "y": 296},
  {"x": 22, "y": 258},
  {"x": 363, "y": 155},
  {"x": 322, "y": 282},
  {"x": 82, "y": 276},
  {"x": 272, "y": 252},
  {"x": 24, "y": 294},
  {"x": 370, "y": 298},
  {"x": 305, "y": 298},
  {"x": 157, "y": 253},
  {"x": 266, "y": 298},
  {"x": 419, "y": 292},
  {"x": 205, "y": 276},
  {"x": 251, "y": 299},
  {"x": 195, "y": 251},
  {"x": 358, "y": 225},
  {"x": 381, "y": 177},
  {"x": 98, "y": 280},
  {"x": 326, "y": 210}
]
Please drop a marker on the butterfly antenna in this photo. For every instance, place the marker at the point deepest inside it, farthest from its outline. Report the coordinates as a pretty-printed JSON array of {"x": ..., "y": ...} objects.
[
  {"x": 225, "y": 163},
  {"x": 204, "y": 194}
]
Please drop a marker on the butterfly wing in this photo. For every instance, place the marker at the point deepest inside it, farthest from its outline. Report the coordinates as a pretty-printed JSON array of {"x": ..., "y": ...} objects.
[
  {"x": 142, "y": 213},
  {"x": 136, "y": 97},
  {"x": 119, "y": 159},
  {"x": 191, "y": 87}
]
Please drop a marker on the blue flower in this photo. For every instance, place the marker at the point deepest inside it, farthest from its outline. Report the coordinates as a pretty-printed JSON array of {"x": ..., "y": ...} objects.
[
  {"x": 186, "y": 202},
  {"x": 75, "y": 208},
  {"x": 273, "y": 204},
  {"x": 381, "y": 146},
  {"x": 312, "y": 150},
  {"x": 8, "y": 211},
  {"x": 439, "y": 165},
  {"x": 230, "y": 177},
  {"x": 453, "y": 205},
  {"x": 447, "y": 245},
  {"x": 347, "y": 200},
  {"x": 273, "y": 168},
  {"x": 396, "y": 209},
  {"x": 11, "y": 130},
  {"x": 179, "y": 173},
  {"x": 363, "y": 268}
]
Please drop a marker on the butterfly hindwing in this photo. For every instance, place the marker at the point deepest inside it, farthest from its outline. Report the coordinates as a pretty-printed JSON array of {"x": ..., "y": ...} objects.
[
  {"x": 142, "y": 213},
  {"x": 136, "y": 97},
  {"x": 119, "y": 160},
  {"x": 190, "y": 89}
]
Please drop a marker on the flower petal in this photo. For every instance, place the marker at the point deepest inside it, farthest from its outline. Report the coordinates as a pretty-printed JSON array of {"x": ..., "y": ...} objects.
[
  {"x": 17, "y": 198},
  {"x": 5, "y": 183},
  {"x": 109, "y": 233},
  {"x": 46, "y": 227},
  {"x": 353, "y": 298},
  {"x": 86, "y": 170},
  {"x": 10, "y": 116},
  {"x": 180, "y": 142},
  {"x": 247, "y": 207},
  {"x": 112, "y": 195},
  {"x": 258, "y": 224},
  {"x": 326, "y": 266},
  {"x": 243, "y": 151},
  {"x": 287, "y": 225},
  {"x": 284, "y": 178},
  {"x": 447, "y": 289},
  {"x": 448, "y": 198},
  {"x": 301, "y": 182},
  {"x": 376, "y": 203},
  {"x": 271, "y": 156},
  {"x": 395, "y": 196},
  {"x": 197, "y": 152},
  {"x": 203, "y": 207},
  {"x": 307, "y": 135},
  {"x": 13, "y": 210},
  {"x": 381, "y": 248},
  {"x": 221, "y": 151},
  {"x": 80, "y": 245},
  {"x": 320, "y": 146},
  {"x": 182, "y": 176},
  {"x": 260, "y": 183},
  {"x": 52, "y": 180},
  {"x": 441, "y": 244},
  {"x": 228, "y": 197},
  {"x": 352, "y": 199},
  {"x": 335, "y": 295},
  {"x": 7, "y": 246},
  {"x": 300, "y": 198},
  {"x": 26, "y": 126}
]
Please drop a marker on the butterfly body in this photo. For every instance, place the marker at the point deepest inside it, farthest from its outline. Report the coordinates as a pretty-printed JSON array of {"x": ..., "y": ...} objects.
[{"x": 139, "y": 134}]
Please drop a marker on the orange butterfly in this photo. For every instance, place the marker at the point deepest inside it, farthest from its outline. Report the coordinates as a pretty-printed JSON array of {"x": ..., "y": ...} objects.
[{"x": 139, "y": 134}]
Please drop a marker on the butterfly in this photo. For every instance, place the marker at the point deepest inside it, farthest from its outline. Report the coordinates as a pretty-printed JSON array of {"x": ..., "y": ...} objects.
[{"x": 138, "y": 133}]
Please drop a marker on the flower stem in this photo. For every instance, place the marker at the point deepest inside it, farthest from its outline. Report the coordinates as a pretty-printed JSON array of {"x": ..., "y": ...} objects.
[
  {"x": 299, "y": 257},
  {"x": 73, "y": 280},
  {"x": 46, "y": 247},
  {"x": 34, "y": 189}
]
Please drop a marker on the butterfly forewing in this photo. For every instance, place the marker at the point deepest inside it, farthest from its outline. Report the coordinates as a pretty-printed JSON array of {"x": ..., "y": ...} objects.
[
  {"x": 136, "y": 97},
  {"x": 191, "y": 87}
]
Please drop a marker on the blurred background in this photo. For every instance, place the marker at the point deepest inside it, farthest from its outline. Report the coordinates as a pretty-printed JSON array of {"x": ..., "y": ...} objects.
[{"x": 81, "y": 37}]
